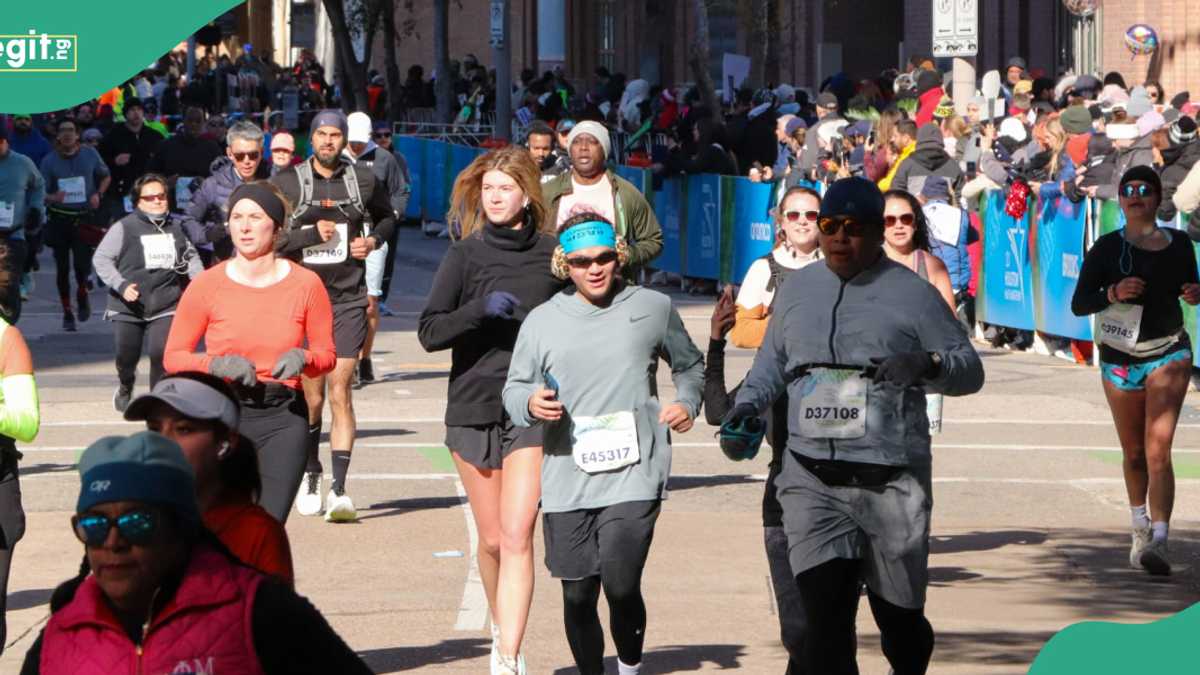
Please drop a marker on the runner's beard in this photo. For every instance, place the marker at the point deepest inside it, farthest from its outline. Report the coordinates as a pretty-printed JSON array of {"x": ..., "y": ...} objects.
[{"x": 331, "y": 163}]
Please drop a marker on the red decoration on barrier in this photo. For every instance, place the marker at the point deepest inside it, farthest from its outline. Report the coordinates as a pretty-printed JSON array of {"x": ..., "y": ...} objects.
[{"x": 1017, "y": 202}]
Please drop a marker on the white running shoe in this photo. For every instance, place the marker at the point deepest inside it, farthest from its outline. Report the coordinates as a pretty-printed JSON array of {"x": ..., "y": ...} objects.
[
  {"x": 1154, "y": 558},
  {"x": 339, "y": 509},
  {"x": 1141, "y": 537},
  {"x": 308, "y": 502},
  {"x": 495, "y": 657},
  {"x": 507, "y": 665}
]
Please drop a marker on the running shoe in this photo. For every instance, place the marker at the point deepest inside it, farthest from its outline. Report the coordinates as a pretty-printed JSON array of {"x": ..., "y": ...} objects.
[
  {"x": 495, "y": 659},
  {"x": 26, "y": 285},
  {"x": 122, "y": 397},
  {"x": 508, "y": 665},
  {"x": 69, "y": 321},
  {"x": 308, "y": 502},
  {"x": 366, "y": 371},
  {"x": 85, "y": 305},
  {"x": 384, "y": 310},
  {"x": 339, "y": 508},
  {"x": 1141, "y": 536},
  {"x": 1154, "y": 558}
]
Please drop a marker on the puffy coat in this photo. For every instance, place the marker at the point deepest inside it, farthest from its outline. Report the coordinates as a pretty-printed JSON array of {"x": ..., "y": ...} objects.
[
  {"x": 929, "y": 159},
  {"x": 204, "y": 221}
]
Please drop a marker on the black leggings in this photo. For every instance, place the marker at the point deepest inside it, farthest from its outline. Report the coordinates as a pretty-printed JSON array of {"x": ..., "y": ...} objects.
[
  {"x": 278, "y": 428},
  {"x": 128, "y": 336},
  {"x": 621, "y": 578},
  {"x": 63, "y": 265},
  {"x": 829, "y": 593},
  {"x": 12, "y": 528}
]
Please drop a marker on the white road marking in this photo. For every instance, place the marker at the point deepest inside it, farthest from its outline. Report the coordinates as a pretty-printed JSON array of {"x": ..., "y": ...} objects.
[
  {"x": 403, "y": 392},
  {"x": 473, "y": 611}
]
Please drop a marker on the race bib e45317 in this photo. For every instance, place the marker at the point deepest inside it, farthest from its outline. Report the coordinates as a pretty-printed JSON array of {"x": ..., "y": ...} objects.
[{"x": 605, "y": 442}]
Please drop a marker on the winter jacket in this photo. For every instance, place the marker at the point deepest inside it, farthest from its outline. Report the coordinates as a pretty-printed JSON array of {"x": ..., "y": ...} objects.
[
  {"x": 819, "y": 318},
  {"x": 23, "y": 190},
  {"x": 387, "y": 169},
  {"x": 140, "y": 146},
  {"x": 812, "y": 146},
  {"x": 494, "y": 259},
  {"x": 953, "y": 253},
  {"x": 758, "y": 142},
  {"x": 1140, "y": 153},
  {"x": 121, "y": 259},
  {"x": 635, "y": 219},
  {"x": 927, "y": 103},
  {"x": 204, "y": 221},
  {"x": 33, "y": 144},
  {"x": 185, "y": 155},
  {"x": 928, "y": 159},
  {"x": 1053, "y": 185},
  {"x": 1178, "y": 162},
  {"x": 216, "y": 617}
]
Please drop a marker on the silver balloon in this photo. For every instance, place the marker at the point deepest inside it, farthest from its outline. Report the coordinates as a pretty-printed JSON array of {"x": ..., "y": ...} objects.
[{"x": 1081, "y": 7}]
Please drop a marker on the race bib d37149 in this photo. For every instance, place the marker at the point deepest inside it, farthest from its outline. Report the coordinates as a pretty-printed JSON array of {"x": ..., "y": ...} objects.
[
  {"x": 329, "y": 252},
  {"x": 833, "y": 404},
  {"x": 605, "y": 442},
  {"x": 1119, "y": 326}
]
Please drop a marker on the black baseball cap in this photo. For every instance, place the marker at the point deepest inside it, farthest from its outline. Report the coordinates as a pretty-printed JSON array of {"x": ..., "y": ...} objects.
[{"x": 854, "y": 197}]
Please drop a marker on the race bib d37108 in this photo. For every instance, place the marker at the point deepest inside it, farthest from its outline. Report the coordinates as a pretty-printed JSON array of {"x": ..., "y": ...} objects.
[
  {"x": 605, "y": 442},
  {"x": 833, "y": 404}
]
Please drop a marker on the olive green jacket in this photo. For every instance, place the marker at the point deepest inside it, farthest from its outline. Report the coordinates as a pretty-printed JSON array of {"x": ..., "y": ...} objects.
[{"x": 635, "y": 219}]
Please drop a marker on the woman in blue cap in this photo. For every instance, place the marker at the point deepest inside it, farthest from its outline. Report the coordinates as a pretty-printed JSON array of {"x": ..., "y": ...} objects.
[{"x": 158, "y": 593}]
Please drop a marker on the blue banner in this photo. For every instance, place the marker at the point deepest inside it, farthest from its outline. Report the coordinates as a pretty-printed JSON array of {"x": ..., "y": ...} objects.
[
  {"x": 1061, "y": 229},
  {"x": 667, "y": 202},
  {"x": 633, "y": 175},
  {"x": 753, "y": 230},
  {"x": 435, "y": 198},
  {"x": 414, "y": 154},
  {"x": 1006, "y": 278},
  {"x": 703, "y": 241}
]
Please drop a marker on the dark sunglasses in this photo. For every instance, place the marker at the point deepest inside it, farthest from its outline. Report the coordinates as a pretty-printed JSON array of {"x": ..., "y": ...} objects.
[
  {"x": 382, "y": 134},
  {"x": 243, "y": 156},
  {"x": 905, "y": 219},
  {"x": 829, "y": 225},
  {"x": 136, "y": 527},
  {"x": 797, "y": 216},
  {"x": 160, "y": 197},
  {"x": 582, "y": 262},
  {"x": 1140, "y": 190}
]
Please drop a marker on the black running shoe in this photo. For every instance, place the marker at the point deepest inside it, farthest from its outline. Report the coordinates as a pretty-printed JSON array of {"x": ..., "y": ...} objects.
[
  {"x": 122, "y": 397},
  {"x": 69, "y": 321},
  {"x": 366, "y": 371}
]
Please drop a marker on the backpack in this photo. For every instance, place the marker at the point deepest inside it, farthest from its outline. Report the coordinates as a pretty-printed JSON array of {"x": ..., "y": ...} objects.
[{"x": 304, "y": 173}]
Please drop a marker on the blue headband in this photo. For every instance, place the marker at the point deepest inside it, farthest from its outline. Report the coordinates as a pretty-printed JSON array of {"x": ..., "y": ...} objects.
[{"x": 586, "y": 235}]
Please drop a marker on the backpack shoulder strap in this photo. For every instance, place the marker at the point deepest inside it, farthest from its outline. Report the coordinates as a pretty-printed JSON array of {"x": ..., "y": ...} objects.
[
  {"x": 304, "y": 175},
  {"x": 351, "y": 179}
]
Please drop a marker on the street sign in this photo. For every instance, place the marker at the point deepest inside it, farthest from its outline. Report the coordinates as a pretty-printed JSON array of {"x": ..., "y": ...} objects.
[
  {"x": 497, "y": 24},
  {"x": 955, "y": 27}
]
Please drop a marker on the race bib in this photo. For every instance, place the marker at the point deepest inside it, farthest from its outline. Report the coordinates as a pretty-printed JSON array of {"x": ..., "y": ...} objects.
[
  {"x": 329, "y": 252},
  {"x": 833, "y": 404},
  {"x": 7, "y": 215},
  {"x": 75, "y": 188},
  {"x": 158, "y": 251},
  {"x": 1119, "y": 325},
  {"x": 605, "y": 442},
  {"x": 183, "y": 193},
  {"x": 933, "y": 410}
]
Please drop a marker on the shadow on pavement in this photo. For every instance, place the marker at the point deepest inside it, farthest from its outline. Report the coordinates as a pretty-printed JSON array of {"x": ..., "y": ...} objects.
[
  {"x": 681, "y": 659},
  {"x": 945, "y": 576},
  {"x": 690, "y": 482},
  {"x": 361, "y": 433},
  {"x": 401, "y": 506},
  {"x": 983, "y": 541},
  {"x": 33, "y": 469},
  {"x": 400, "y": 659},
  {"x": 991, "y": 648},
  {"x": 25, "y": 599}
]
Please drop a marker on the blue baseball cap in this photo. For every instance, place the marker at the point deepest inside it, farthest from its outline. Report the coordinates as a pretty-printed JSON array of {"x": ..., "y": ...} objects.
[{"x": 145, "y": 467}]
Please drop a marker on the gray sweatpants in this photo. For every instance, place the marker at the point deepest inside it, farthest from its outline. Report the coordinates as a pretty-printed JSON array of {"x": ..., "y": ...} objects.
[
  {"x": 887, "y": 528},
  {"x": 12, "y": 528}
]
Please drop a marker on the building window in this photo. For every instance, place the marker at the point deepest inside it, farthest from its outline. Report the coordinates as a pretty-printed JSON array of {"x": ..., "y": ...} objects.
[{"x": 607, "y": 14}]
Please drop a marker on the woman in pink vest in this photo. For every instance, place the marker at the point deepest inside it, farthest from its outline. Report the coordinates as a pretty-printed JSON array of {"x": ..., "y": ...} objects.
[{"x": 158, "y": 593}]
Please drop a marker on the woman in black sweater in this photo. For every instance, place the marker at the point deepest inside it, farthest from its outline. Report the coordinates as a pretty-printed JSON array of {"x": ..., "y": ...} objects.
[
  {"x": 1134, "y": 279},
  {"x": 486, "y": 285}
]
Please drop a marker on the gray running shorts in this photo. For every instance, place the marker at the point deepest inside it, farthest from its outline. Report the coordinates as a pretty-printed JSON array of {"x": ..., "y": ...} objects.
[
  {"x": 487, "y": 446},
  {"x": 886, "y": 527},
  {"x": 577, "y": 542}
]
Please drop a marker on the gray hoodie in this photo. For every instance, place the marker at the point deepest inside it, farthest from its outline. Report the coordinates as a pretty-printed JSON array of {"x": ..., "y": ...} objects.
[
  {"x": 882, "y": 311},
  {"x": 603, "y": 359}
]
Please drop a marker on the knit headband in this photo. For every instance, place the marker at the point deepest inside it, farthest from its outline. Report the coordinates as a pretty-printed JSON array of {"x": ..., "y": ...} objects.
[{"x": 262, "y": 195}]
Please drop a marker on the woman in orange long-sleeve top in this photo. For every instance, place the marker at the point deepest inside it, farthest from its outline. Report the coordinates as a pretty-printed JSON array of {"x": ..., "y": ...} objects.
[{"x": 256, "y": 313}]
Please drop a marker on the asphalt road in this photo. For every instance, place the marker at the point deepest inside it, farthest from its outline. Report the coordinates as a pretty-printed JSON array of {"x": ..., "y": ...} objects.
[{"x": 1030, "y": 529}]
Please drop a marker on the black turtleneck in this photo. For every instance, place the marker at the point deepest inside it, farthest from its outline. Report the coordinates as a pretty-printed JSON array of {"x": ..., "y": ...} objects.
[{"x": 493, "y": 259}]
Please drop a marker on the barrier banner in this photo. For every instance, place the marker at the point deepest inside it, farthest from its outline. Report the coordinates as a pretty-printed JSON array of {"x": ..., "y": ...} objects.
[
  {"x": 667, "y": 204},
  {"x": 460, "y": 157},
  {"x": 639, "y": 177},
  {"x": 1109, "y": 217},
  {"x": 753, "y": 230},
  {"x": 703, "y": 222},
  {"x": 413, "y": 150},
  {"x": 435, "y": 198},
  {"x": 1059, "y": 243},
  {"x": 1006, "y": 279}
]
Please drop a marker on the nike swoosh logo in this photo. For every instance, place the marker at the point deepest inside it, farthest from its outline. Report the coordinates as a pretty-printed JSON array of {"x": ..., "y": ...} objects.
[{"x": 635, "y": 319}]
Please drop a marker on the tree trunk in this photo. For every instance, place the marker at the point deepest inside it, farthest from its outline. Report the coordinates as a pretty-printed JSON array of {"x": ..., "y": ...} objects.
[
  {"x": 773, "y": 57},
  {"x": 759, "y": 41},
  {"x": 444, "y": 86},
  {"x": 698, "y": 60},
  {"x": 395, "y": 97},
  {"x": 354, "y": 85}
]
